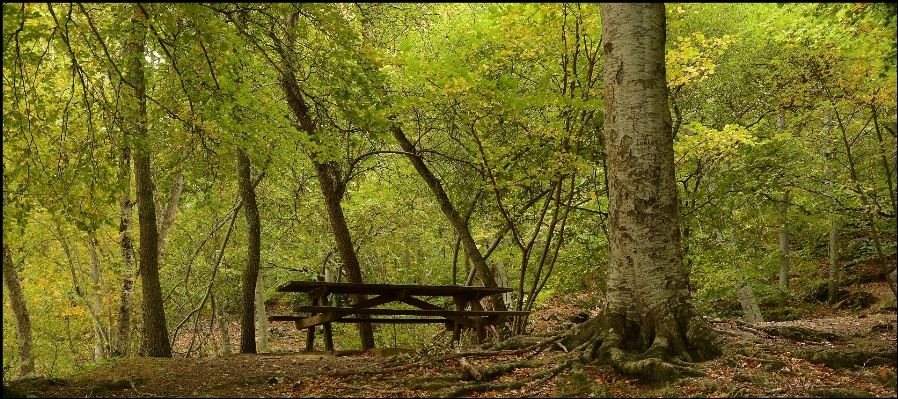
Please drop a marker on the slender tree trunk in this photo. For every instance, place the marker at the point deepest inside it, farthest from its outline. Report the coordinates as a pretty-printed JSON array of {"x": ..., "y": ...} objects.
[
  {"x": 750, "y": 309},
  {"x": 167, "y": 215},
  {"x": 886, "y": 168},
  {"x": 452, "y": 215},
  {"x": 93, "y": 310},
  {"x": 261, "y": 316},
  {"x": 649, "y": 306},
  {"x": 251, "y": 272},
  {"x": 97, "y": 292},
  {"x": 344, "y": 242},
  {"x": 222, "y": 323},
  {"x": 154, "y": 342},
  {"x": 332, "y": 193},
  {"x": 868, "y": 209},
  {"x": 783, "y": 208},
  {"x": 834, "y": 267},
  {"x": 122, "y": 343},
  {"x": 834, "y": 255},
  {"x": 455, "y": 259},
  {"x": 19, "y": 311}
]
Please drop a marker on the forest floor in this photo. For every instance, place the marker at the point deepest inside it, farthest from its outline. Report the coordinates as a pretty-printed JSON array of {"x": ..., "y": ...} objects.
[{"x": 759, "y": 361}]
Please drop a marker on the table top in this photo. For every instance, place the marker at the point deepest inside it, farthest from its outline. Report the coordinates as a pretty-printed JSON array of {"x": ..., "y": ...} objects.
[{"x": 374, "y": 289}]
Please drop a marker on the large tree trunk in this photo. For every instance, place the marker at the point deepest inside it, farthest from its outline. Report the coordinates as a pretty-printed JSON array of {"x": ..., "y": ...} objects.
[
  {"x": 251, "y": 272},
  {"x": 122, "y": 342},
  {"x": 452, "y": 215},
  {"x": 154, "y": 342},
  {"x": 19, "y": 311},
  {"x": 650, "y": 318}
]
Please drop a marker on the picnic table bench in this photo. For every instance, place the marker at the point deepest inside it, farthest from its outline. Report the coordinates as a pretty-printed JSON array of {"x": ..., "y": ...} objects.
[{"x": 321, "y": 312}]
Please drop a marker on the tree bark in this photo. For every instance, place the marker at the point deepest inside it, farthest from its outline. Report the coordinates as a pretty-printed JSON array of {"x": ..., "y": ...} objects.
[
  {"x": 452, "y": 215},
  {"x": 167, "y": 215},
  {"x": 783, "y": 208},
  {"x": 344, "y": 242},
  {"x": 331, "y": 190},
  {"x": 649, "y": 319},
  {"x": 154, "y": 342},
  {"x": 750, "y": 309},
  {"x": 222, "y": 323},
  {"x": 20, "y": 312},
  {"x": 97, "y": 292},
  {"x": 834, "y": 267},
  {"x": 251, "y": 272},
  {"x": 834, "y": 254},
  {"x": 122, "y": 342},
  {"x": 261, "y": 317}
]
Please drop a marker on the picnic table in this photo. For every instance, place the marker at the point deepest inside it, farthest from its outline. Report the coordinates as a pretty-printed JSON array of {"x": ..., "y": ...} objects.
[{"x": 322, "y": 312}]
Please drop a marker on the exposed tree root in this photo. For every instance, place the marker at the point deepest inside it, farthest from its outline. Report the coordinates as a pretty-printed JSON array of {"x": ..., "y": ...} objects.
[
  {"x": 540, "y": 377},
  {"x": 473, "y": 354},
  {"x": 671, "y": 354},
  {"x": 356, "y": 388},
  {"x": 521, "y": 342}
]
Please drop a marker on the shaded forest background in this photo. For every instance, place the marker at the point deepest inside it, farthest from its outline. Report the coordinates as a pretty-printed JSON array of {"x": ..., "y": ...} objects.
[{"x": 784, "y": 117}]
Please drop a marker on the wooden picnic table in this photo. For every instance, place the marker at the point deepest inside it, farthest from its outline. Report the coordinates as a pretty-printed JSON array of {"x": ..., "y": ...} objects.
[{"x": 322, "y": 313}]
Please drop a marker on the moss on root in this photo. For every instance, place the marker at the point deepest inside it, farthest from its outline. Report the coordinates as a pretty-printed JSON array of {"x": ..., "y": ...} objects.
[
  {"x": 580, "y": 383},
  {"x": 657, "y": 352}
]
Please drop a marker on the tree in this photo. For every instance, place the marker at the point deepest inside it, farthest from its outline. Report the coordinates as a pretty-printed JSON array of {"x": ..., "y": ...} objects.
[
  {"x": 122, "y": 340},
  {"x": 458, "y": 222},
  {"x": 649, "y": 308},
  {"x": 251, "y": 272},
  {"x": 154, "y": 342},
  {"x": 20, "y": 312},
  {"x": 330, "y": 178}
]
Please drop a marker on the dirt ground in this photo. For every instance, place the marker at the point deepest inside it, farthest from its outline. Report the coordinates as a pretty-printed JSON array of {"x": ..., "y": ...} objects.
[{"x": 755, "y": 364}]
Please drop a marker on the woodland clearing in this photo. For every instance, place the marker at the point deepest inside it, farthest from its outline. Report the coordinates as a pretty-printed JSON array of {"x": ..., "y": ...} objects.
[{"x": 756, "y": 363}]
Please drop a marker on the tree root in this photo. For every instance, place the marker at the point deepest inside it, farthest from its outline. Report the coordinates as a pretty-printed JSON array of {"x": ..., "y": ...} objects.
[
  {"x": 474, "y": 354},
  {"x": 540, "y": 377},
  {"x": 656, "y": 363},
  {"x": 519, "y": 342}
]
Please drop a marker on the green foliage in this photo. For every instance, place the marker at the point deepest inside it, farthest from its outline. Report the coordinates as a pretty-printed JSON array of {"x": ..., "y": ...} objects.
[{"x": 504, "y": 102}]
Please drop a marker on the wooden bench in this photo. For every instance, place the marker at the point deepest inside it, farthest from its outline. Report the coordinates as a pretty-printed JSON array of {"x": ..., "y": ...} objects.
[{"x": 320, "y": 313}]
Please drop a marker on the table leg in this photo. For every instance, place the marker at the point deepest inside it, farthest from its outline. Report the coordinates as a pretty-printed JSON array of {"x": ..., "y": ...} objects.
[
  {"x": 478, "y": 322},
  {"x": 460, "y": 304}
]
